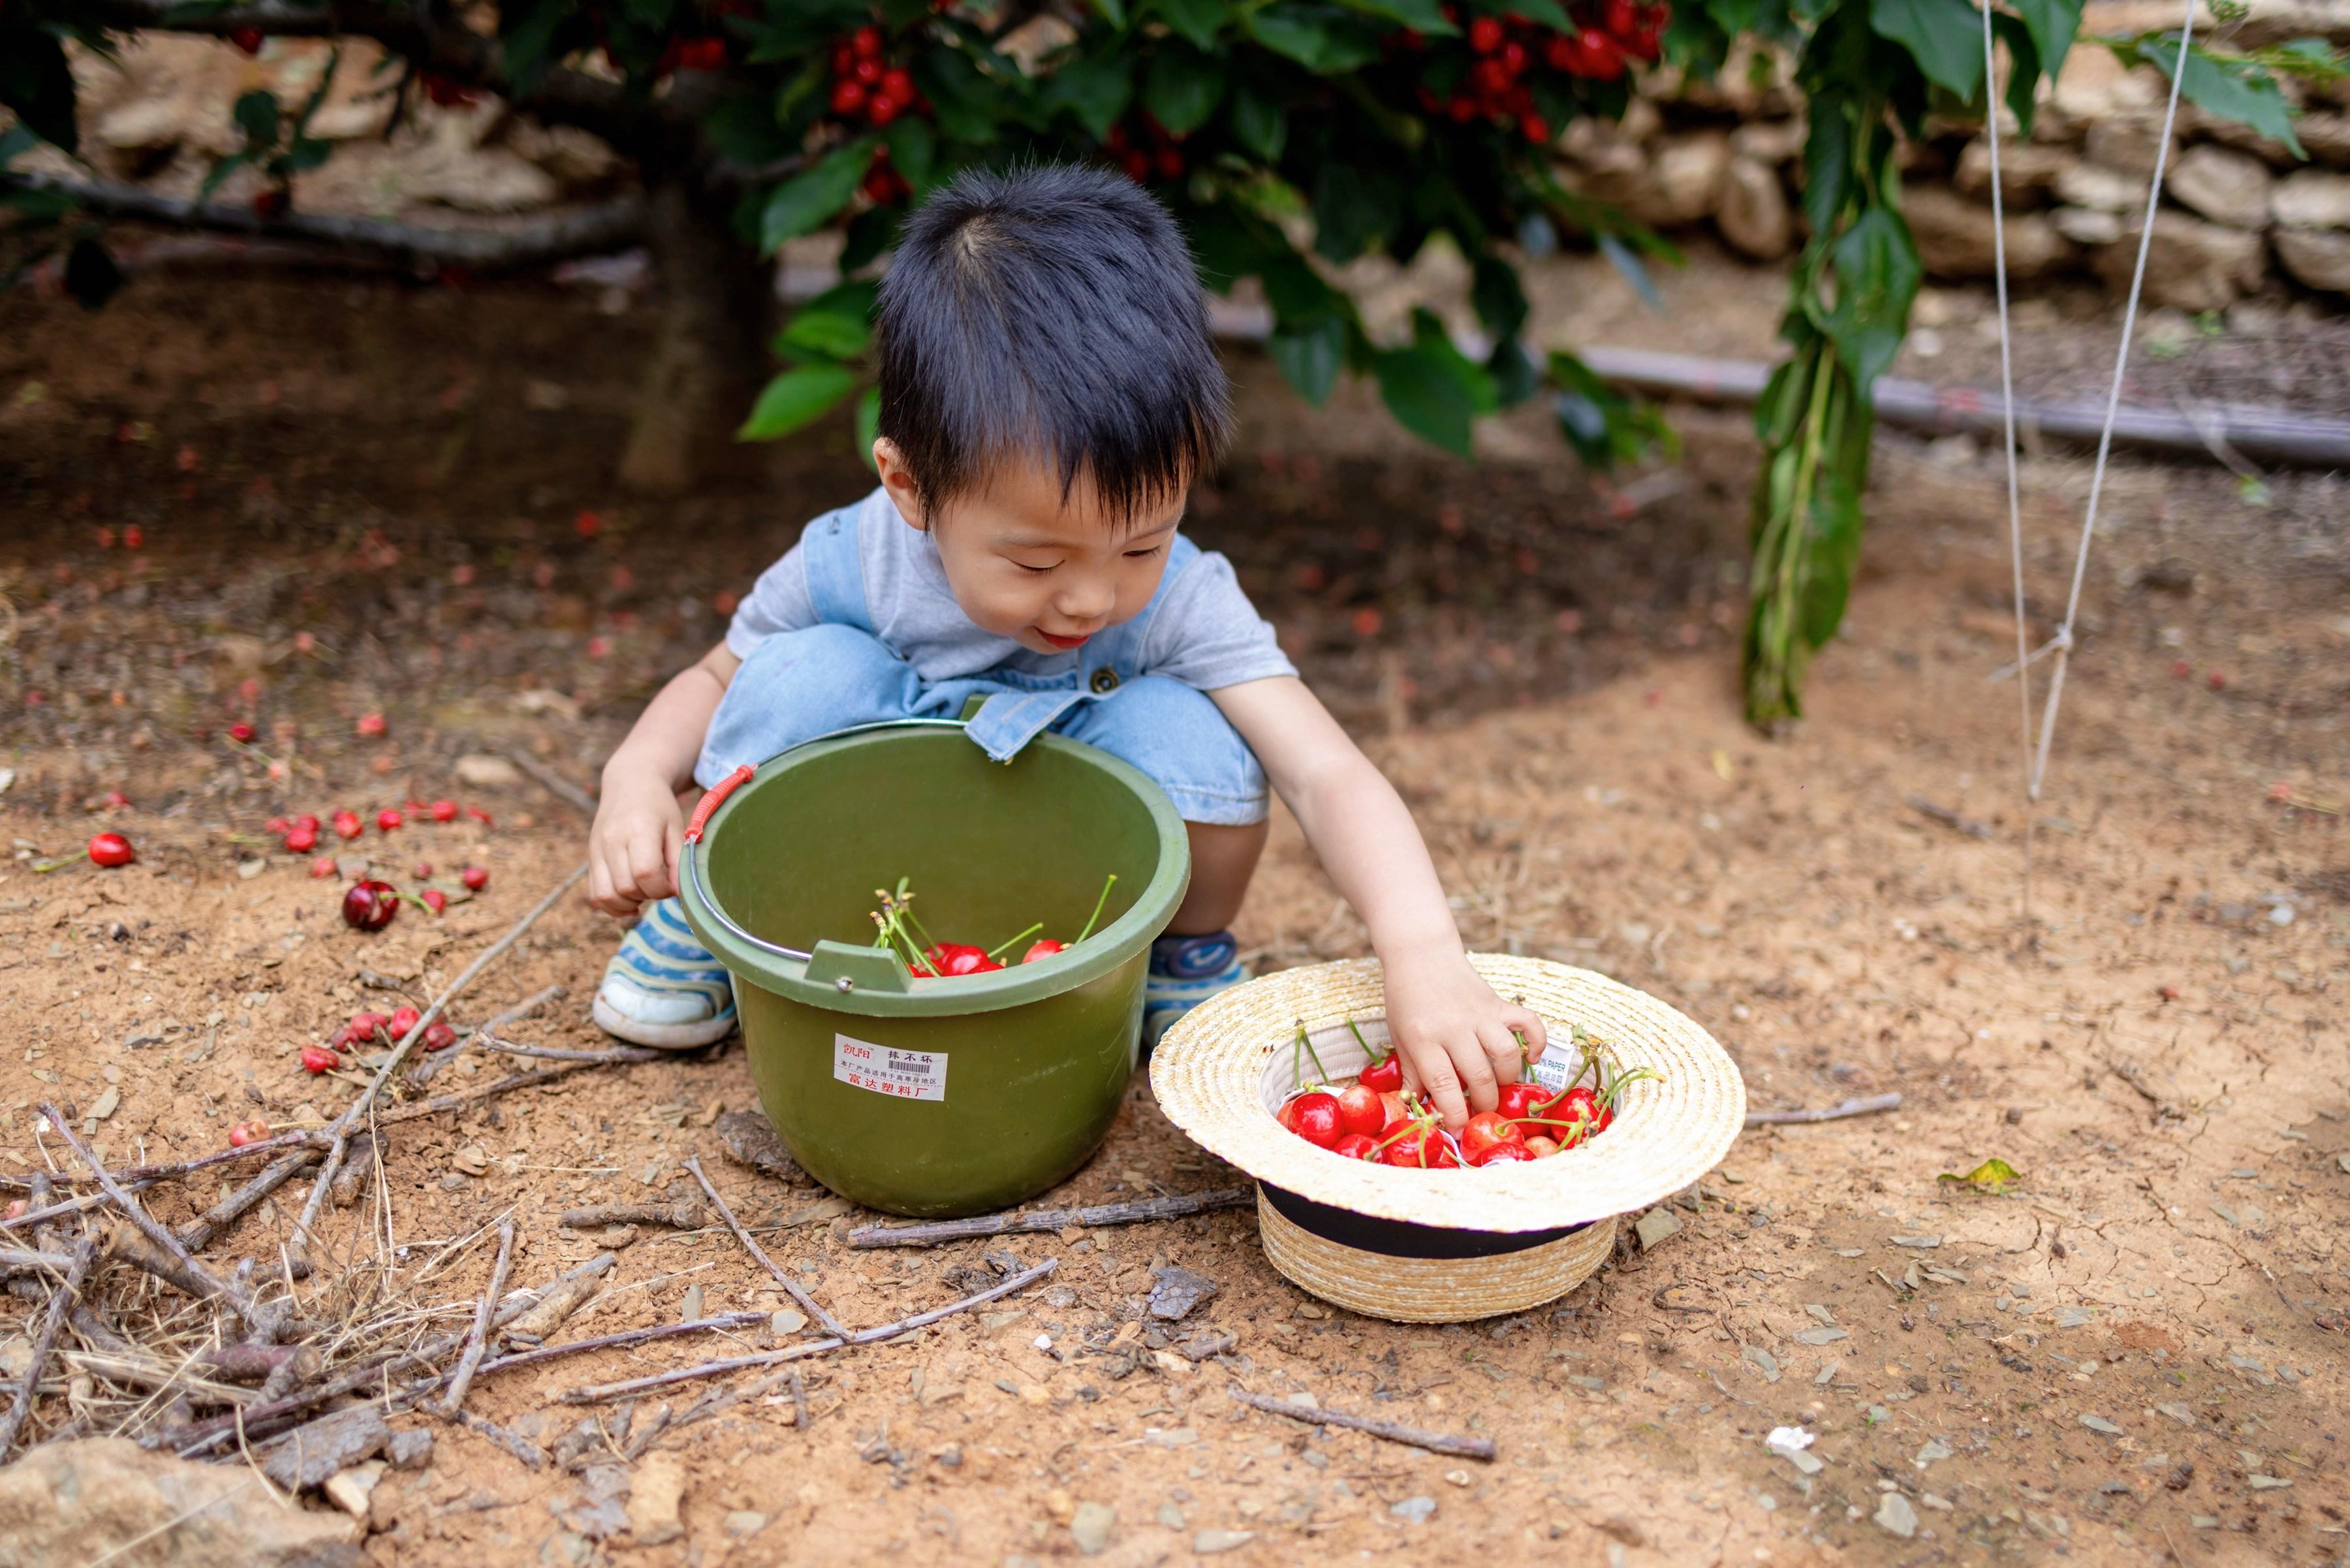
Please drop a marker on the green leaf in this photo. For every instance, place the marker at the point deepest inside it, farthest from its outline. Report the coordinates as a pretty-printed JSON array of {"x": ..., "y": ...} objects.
[
  {"x": 256, "y": 114},
  {"x": 835, "y": 325},
  {"x": 1876, "y": 275},
  {"x": 1113, "y": 12},
  {"x": 1833, "y": 548},
  {"x": 1095, "y": 91},
  {"x": 913, "y": 146},
  {"x": 1944, "y": 36},
  {"x": 1423, "y": 15},
  {"x": 1827, "y": 162},
  {"x": 740, "y": 128},
  {"x": 1182, "y": 86},
  {"x": 1196, "y": 20},
  {"x": 1548, "y": 13},
  {"x": 1515, "y": 376},
  {"x": 1355, "y": 207},
  {"x": 797, "y": 398},
  {"x": 1297, "y": 293},
  {"x": 219, "y": 171},
  {"x": 91, "y": 277},
  {"x": 2054, "y": 25},
  {"x": 871, "y": 234},
  {"x": 1431, "y": 389},
  {"x": 1603, "y": 425},
  {"x": 969, "y": 107},
  {"x": 808, "y": 201},
  {"x": 1994, "y": 1175},
  {"x": 2023, "y": 69},
  {"x": 1319, "y": 37},
  {"x": 36, "y": 82},
  {"x": 1259, "y": 125},
  {"x": 868, "y": 425},
  {"x": 1309, "y": 357},
  {"x": 2231, "y": 88},
  {"x": 306, "y": 153},
  {"x": 1500, "y": 299},
  {"x": 526, "y": 37}
]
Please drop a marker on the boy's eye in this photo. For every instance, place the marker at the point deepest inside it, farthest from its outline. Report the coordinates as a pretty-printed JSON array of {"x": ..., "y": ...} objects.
[
  {"x": 1032, "y": 571},
  {"x": 1144, "y": 554}
]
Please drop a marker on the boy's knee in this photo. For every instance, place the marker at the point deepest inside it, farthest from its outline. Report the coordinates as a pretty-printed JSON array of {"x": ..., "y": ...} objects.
[{"x": 798, "y": 686}]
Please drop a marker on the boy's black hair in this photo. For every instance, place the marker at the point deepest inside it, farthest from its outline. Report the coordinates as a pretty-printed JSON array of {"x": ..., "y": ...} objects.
[{"x": 1051, "y": 312}]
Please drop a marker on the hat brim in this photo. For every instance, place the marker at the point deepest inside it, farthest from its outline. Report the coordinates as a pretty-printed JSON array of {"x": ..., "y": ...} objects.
[{"x": 1216, "y": 1078}]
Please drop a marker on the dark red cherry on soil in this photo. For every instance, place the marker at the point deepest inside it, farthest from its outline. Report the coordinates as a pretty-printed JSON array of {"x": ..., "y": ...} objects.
[
  {"x": 301, "y": 840},
  {"x": 402, "y": 1021},
  {"x": 434, "y": 899},
  {"x": 242, "y": 732},
  {"x": 348, "y": 825},
  {"x": 318, "y": 1059},
  {"x": 475, "y": 878},
  {"x": 439, "y": 1036},
  {"x": 111, "y": 849},
  {"x": 370, "y": 906},
  {"x": 445, "y": 811},
  {"x": 387, "y": 819}
]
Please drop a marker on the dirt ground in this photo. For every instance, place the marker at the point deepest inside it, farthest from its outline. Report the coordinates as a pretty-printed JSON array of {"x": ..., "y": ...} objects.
[{"x": 358, "y": 498}]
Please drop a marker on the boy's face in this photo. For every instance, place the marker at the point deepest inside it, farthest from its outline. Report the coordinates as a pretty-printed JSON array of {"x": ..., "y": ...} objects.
[{"x": 1025, "y": 566}]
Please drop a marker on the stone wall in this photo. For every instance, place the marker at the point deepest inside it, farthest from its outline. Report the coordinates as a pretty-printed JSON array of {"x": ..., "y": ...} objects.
[{"x": 2240, "y": 214}]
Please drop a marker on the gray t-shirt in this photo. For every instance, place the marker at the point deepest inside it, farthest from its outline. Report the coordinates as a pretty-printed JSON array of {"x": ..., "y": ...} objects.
[{"x": 1205, "y": 634}]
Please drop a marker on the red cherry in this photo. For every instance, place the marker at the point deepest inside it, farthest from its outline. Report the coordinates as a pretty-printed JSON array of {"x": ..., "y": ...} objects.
[
  {"x": 1485, "y": 1129},
  {"x": 1314, "y": 1116},
  {"x": 478, "y": 814},
  {"x": 318, "y": 1059},
  {"x": 308, "y": 821},
  {"x": 1043, "y": 948},
  {"x": 1620, "y": 17},
  {"x": 703, "y": 54},
  {"x": 249, "y": 39},
  {"x": 475, "y": 878},
  {"x": 1485, "y": 35},
  {"x": 370, "y": 906},
  {"x": 434, "y": 899},
  {"x": 276, "y": 824},
  {"x": 1354, "y": 1146},
  {"x": 445, "y": 811},
  {"x": 242, "y": 732},
  {"x": 1137, "y": 165},
  {"x": 2218, "y": 681},
  {"x": 1603, "y": 58},
  {"x": 422, "y": 871},
  {"x": 1384, "y": 1076},
  {"x": 133, "y": 537},
  {"x": 898, "y": 85},
  {"x": 402, "y": 1021},
  {"x": 247, "y": 1132},
  {"x": 111, "y": 849},
  {"x": 1360, "y": 1109},
  {"x": 1501, "y": 1154},
  {"x": 387, "y": 820},
  {"x": 881, "y": 110},
  {"x": 324, "y": 866},
  {"x": 865, "y": 42},
  {"x": 866, "y": 73},
  {"x": 115, "y": 800},
  {"x": 2181, "y": 669},
  {"x": 1513, "y": 56},
  {"x": 370, "y": 725},
  {"x": 300, "y": 840},
  {"x": 1534, "y": 129},
  {"x": 848, "y": 97},
  {"x": 363, "y": 1025},
  {"x": 271, "y": 202},
  {"x": 439, "y": 1036},
  {"x": 348, "y": 823}
]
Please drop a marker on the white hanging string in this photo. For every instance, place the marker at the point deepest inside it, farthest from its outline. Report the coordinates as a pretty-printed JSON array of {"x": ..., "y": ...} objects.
[{"x": 2062, "y": 641}]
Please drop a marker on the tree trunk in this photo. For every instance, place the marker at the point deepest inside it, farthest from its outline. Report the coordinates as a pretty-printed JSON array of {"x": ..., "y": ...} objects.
[{"x": 717, "y": 297}]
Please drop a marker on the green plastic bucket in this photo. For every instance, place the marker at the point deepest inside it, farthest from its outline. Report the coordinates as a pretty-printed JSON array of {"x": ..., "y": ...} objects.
[{"x": 926, "y": 1097}]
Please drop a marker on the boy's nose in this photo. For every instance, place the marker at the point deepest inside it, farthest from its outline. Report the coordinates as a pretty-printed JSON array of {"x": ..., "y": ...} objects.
[{"x": 1086, "y": 601}]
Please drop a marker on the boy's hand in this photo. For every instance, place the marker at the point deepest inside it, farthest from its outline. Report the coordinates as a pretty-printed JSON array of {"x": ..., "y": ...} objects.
[
  {"x": 632, "y": 847},
  {"x": 1455, "y": 1034}
]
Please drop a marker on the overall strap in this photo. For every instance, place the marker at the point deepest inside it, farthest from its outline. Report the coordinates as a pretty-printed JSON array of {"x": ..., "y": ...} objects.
[{"x": 836, "y": 566}]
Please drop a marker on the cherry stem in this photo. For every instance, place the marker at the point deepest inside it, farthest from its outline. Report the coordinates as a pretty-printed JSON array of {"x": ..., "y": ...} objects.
[
  {"x": 1373, "y": 1059},
  {"x": 1323, "y": 1072},
  {"x": 1007, "y": 947},
  {"x": 1098, "y": 903}
]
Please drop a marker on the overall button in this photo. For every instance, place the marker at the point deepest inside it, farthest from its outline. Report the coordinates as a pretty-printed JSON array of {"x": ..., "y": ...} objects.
[{"x": 1105, "y": 681}]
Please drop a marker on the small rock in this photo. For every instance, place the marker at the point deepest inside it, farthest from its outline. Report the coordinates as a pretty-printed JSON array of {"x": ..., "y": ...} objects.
[
  {"x": 1090, "y": 1527},
  {"x": 1752, "y": 211},
  {"x": 71, "y": 1502},
  {"x": 1413, "y": 1509},
  {"x": 2099, "y": 1424},
  {"x": 307, "y": 1455},
  {"x": 654, "y": 1498},
  {"x": 2191, "y": 265},
  {"x": 1934, "y": 1452},
  {"x": 1176, "y": 1293},
  {"x": 2312, "y": 200},
  {"x": 349, "y": 1490},
  {"x": 2226, "y": 187},
  {"x": 1170, "y": 1517},
  {"x": 1762, "y": 1360},
  {"x": 411, "y": 1450},
  {"x": 2072, "y": 1317},
  {"x": 2181, "y": 1414},
  {"x": 2317, "y": 257},
  {"x": 744, "y": 1522},
  {"x": 473, "y": 1159},
  {"x": 2267, "y": 1484},
  {"x": 600, "y": 1510},
  {"x": 1655, "y": 1227},
  {"x": 484, "y": 770},
  {"x": 1954, "y": 239},
  {"x": 786, "y": 1320},
  {"x": 1207, "y": 1543},
  {"x": 1895, "y": 1515},
  {"x": 689, "y": 1306},
  {"x": 1821, "y": 1336},
  {"x": 749, "y": 1139},
  {"x": 2087, "y": 226},
  {"x": 1918, "y": 1242}
]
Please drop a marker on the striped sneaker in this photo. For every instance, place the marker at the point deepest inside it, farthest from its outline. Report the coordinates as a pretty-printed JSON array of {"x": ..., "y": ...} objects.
[
  {"x": 1184, "y": 972},
  {"x": 663, "y": 988}
]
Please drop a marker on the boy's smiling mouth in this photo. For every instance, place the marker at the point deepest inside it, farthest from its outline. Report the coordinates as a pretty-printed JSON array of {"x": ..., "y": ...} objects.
[{"x": 1063, "y": 643}]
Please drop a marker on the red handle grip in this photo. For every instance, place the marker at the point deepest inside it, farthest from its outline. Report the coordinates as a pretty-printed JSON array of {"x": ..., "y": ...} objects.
[{"x": 714, "y": 799}]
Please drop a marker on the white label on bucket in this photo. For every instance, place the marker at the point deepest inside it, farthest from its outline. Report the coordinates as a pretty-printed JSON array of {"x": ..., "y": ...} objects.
[
  {"x": 1561, "y": 1062},
  {"x": 908, "y": 1075}
]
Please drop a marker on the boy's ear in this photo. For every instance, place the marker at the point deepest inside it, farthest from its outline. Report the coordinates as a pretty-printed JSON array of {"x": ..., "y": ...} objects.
[{"x": 898, "y": 480}]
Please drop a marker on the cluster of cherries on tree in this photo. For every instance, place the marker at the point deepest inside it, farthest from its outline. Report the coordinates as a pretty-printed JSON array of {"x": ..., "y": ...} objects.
[
  {"x": 868, "y": 89},
  {"x": 1610, "y": 34}
]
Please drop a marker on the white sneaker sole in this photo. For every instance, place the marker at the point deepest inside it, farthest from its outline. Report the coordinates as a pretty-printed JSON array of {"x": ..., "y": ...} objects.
[{"x": 660, "y": 1036}]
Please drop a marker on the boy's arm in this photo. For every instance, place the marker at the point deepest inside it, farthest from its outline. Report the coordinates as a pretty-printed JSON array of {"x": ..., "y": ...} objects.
[
  {"x": 1453, "y": 1031},
  {"x": 632, "y": 847}
]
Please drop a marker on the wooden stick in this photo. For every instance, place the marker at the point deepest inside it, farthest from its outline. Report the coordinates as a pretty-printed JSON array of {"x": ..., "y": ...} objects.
[
  {"x": 478, "y": 1340},
  {"x": 61, "y": 1301},
  {"x": 202, "y": 1230},
  {"x": 600, "y": 1393},
  {"x": 265, "y": 1322},
  {"x": 562, "y": 788},
  {"x": 1830, "y": 1114},
  {"x": 536, "y": 1075},
  {"x": 564, "y": 1054},
  {"x": 1949, "y": 818},
  {"x": 17, "y": 1258},
  {"x": 832, "y": 1325},
  {"x": 1173, "y": 1207},
  {"x": 139, "y": 1177},
  {"x": 682, "y": 1215},
  {"x": 352, "y": 1115},
  {"x": 1419, "y": 1437},
  {"x": 367, "y": 1155},
  {"x": 720, "y": 1324},
  {"x": 434, "y": 1065},
  {"x": 532, "y": 1456}
]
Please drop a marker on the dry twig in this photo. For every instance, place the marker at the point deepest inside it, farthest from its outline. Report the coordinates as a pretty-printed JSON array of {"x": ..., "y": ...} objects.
[
  {"x": 434, "y": 1065},
  {"x": 719, "y": 1325},
  {"x": 1171, "y": 1207},
  {"x": 201, "y": 1231},
  {"x": 478, "y": 1339},
  {"x": 683, "y": 1215},
  {"x": 61, "y": 1301},
  {"x": 798, "y": 1293},
  {"x": 1828, "y": 1114},
  {"x": 1419, "y": 1437},
  {"x": 556, "y": 785},
  {"x": 565, "y": 1053}
]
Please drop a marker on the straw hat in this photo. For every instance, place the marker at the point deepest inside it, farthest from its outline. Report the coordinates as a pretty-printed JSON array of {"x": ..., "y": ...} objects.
[{"x": 1223, "y": 1071}]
